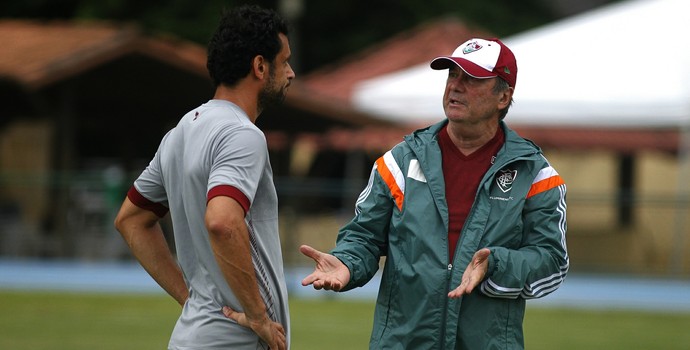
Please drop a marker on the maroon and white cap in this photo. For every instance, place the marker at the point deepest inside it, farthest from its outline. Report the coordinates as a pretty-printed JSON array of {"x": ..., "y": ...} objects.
[{"x": 481, "y": 58}]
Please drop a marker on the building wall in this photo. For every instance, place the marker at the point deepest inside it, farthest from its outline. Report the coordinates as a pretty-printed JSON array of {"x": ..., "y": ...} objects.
[
  {"x": 25, "y": 161},
  {"x": 24, "y": 184},
  {"x": 656, "y": 242}
]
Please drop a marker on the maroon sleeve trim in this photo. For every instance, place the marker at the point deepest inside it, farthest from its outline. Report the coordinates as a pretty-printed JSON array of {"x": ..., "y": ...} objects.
[
  {"x": 135, "y": 197},
  {"x": 232, "y": 192}
]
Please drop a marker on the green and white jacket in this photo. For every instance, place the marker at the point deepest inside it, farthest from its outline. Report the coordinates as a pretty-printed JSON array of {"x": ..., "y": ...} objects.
[{"x": 519, "y": 213}]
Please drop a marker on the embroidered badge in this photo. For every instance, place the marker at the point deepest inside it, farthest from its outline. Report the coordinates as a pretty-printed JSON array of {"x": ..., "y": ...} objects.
[
  {"x": 505, "y": 179},
  {"x": 471, "y": 47}
]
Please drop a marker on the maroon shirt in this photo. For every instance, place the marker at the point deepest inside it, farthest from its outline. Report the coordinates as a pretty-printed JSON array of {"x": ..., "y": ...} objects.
[{"x": 462, "y": 176}]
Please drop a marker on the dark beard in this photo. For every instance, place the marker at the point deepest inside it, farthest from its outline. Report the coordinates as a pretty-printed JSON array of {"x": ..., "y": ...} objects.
[{"x": 269, "y": 97}]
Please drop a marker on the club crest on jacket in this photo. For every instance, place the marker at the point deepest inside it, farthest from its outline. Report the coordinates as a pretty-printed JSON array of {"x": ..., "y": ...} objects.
[{"x": 505, "y": 179}]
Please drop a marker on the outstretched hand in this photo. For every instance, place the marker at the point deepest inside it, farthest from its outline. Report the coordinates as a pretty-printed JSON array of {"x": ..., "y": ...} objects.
[
  {"x": 270, "y": 332},
  {"x": 330, "y": 273},
  {"x": 474, "y": 274}
]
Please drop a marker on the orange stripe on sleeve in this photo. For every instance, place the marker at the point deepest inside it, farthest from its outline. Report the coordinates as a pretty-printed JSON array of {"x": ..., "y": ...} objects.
[
  {"x": 545, "y": 185},
  {"x": 389, "y": 179}
]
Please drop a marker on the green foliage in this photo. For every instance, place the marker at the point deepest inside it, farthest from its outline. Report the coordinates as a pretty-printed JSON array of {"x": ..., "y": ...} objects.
[
  {"x": 331, "y": 30},
  {"x": 327, "y": 30},
  {"x": 188, "y": 19},
  {"x": 191, "y": 20},
  {"x": 41, "y": 9},
  {"x": 68, "y": 321}
]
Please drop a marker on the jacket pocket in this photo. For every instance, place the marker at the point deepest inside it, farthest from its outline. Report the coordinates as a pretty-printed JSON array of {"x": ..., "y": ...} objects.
[{"x": 382, "y": 314}]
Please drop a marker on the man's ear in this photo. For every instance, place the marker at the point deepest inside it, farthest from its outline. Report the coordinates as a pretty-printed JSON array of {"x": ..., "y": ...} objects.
[
  {"x": 505, "y": 98},
  {"x": 259, "y": 67}
]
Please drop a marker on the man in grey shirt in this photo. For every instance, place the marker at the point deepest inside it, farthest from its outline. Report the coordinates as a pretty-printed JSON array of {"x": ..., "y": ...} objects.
[{"x": 212, "y": 173}]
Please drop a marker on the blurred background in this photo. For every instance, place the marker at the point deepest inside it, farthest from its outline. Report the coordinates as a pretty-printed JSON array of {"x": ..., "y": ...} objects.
[{"x": 88, "y": 88}]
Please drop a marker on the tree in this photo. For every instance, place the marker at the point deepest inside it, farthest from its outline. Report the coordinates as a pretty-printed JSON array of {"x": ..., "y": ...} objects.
[
  {"x": 332, "y": 29},
  {"x": 325, "y": 30}
]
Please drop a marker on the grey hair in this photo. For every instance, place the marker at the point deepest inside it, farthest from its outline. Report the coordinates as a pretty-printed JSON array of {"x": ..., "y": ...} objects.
[{"x": 499, "y": 87}]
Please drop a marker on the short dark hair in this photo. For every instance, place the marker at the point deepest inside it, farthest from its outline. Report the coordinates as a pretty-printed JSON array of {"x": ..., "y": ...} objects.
[{"x": 242, "y": 34}]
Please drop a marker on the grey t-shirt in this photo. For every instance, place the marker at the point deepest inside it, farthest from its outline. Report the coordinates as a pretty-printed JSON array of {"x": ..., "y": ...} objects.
[{"x": 216, "y": 150}]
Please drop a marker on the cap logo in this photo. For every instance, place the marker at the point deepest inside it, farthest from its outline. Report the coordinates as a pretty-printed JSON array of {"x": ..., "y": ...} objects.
[
  {"x": 471, "y": 47},
  {"x": 506, "y": 70}
]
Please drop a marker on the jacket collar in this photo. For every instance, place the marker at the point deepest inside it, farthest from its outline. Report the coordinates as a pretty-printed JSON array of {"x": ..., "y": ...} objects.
[{"x": 514, "y": 146}]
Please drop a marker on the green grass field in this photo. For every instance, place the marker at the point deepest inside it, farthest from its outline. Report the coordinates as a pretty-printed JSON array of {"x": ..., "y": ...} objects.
[{"x": 76, "y": 321}]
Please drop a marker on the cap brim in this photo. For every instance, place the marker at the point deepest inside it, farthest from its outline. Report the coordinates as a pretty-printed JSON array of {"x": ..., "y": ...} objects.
[{"x": 469, "y": 67}]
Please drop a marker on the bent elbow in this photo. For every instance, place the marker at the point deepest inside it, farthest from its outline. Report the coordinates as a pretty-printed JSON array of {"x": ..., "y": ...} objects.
[
  {"x": 119, "y": 223},
  {"x": 222, "y": 227}
]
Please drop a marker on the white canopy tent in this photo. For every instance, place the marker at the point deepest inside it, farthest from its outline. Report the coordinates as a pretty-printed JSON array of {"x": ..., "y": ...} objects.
[{"x": 623, "y": 65}]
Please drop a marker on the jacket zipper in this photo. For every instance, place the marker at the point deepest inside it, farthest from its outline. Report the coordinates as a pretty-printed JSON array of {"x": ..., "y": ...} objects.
[
  {"x": 442, "y": 340},
  {"x": 449, "y": 271}
]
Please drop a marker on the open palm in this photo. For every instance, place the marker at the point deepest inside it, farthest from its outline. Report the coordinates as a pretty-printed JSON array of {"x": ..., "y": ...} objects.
[{"x": 330, "y": 273}]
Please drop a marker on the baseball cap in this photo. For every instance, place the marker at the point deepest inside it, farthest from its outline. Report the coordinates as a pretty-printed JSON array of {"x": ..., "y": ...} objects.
[{"x": 481, "y": 58}]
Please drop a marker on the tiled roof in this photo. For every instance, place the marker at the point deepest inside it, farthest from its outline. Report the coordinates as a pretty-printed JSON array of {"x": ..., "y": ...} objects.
[
  {"x": 41, "y": 53},
  {"x": 407, "y": 49},
  {"x": 36, "y": 54},
  {"x": 44, "y": 52}
]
